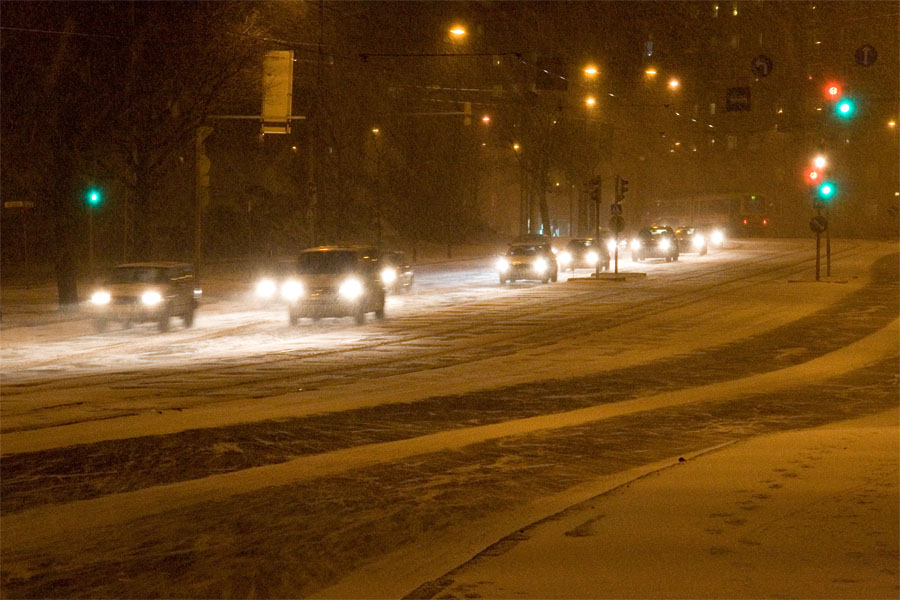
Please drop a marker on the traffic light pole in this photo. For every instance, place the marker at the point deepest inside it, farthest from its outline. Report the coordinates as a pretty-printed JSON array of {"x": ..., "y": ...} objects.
[
  {"x": 597, "y": 222},
  {"x": 828, "y": 252}
]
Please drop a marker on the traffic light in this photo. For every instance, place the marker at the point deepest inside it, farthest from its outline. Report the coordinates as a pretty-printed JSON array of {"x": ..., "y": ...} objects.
[
  {"x": 623, "y": 187},
  {"x": 827, "y": 191},
  {"x": 813, "y": 176},
  {"x": 845, "y": 108},
  {"x": 93, "y": 196},
  {"x": 832, "y": 90}
]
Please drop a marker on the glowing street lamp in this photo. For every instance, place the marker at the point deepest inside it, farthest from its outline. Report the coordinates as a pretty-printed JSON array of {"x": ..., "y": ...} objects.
[
  {"x": 650, "y": 72},
  {"x": 590, "y": 71},
  {"x": 458, "y": 32},
  {"x": 486, "y": 119},
  {"x": 516, "y": 146},
  {"x": 590, "y": 101},
  {"x": 674, "y": 83},
  {"x": 819, "y": 162}
]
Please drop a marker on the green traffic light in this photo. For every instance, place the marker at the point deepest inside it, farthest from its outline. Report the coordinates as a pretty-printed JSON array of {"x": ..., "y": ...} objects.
[
  {"x": 94, "y": 197},
  {"x": 827, "y": 191},
  {"x": 845, "y": 108}
]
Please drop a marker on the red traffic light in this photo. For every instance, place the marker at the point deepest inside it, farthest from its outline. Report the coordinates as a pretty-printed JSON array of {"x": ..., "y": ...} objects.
[
  {"x": 813, "y": 176},
  {"x": 833, "y": 90}
]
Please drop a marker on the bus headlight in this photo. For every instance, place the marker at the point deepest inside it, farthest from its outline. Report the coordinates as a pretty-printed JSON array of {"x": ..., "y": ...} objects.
[
  {"x": 699, "y": 241},
  {"x": 540, "y": 265},
  {"x": 502, "y": 265},
  {"x": 291, "y": 290},
  {"x": 592, "y": 258},
  {"x": 564, "y": 257},
  {"x": 151, "y": 298},
  {"x": 266, "y": 288},
  {"x": 351, "y": 289},
  {"x": 100, "y": 298}
]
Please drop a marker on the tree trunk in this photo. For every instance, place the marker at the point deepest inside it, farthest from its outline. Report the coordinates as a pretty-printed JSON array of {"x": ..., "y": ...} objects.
[{"x": 65, "y": 213}]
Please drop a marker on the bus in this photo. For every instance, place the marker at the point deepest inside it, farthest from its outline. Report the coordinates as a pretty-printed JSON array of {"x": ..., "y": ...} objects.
[{"x": 736, "y": 214}]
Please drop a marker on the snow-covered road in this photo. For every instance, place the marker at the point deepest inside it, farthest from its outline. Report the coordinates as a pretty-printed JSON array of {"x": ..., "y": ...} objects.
[{"x": 300, "y": 457}]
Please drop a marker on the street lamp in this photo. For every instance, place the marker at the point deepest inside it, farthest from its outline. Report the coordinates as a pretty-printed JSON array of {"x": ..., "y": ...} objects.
[
  {"x": 674, "y": 83},
  {"x": 457, "y": 32},
  {"x": 590, "y": 71},
  {"x": 650, "y": 72},
  {"x": 590, "y": 101},
  {"x": 375, "y": 132}
]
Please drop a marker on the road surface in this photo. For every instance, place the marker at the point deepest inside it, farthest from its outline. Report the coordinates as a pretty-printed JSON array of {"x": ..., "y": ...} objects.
[{"x": 245, "y": 457}]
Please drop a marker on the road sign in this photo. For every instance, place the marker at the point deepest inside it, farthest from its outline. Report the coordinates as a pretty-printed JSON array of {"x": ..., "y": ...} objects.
[
  {"x": 737, "y": 99},
  {"x": 615, "y": 209},
  {"x": 818, "y": 224},
  {"x": 617, "y": 223},
  {"x": 866, "y": 55},
  {"x": 761, "y": 65}
]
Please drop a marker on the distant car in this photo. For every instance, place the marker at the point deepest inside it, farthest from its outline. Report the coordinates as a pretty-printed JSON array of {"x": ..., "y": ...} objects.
[
  {"x": 692, "y": 239},
  {"x": 528, "y": 261},
  {"x": 584, "y": 253},
  {"x": 396, "y": 271},
  {"x": 147, "y": 291},
  {"x": 655, "y": 242},
  {"x": 335, "y": 281},
  {"x": 267, "y": 286}
]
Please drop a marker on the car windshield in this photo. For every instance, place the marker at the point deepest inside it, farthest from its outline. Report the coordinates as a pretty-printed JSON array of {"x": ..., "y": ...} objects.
[
  {"x": 138, "y": 275},
  {"x": 327, "y": 263},
  {"x": 522, "y": 251}
]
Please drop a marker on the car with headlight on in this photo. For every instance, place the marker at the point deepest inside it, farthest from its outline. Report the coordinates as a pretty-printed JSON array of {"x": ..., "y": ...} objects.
[
  {"x": 655, "y": 242},
  {"x": 692, "y": 239},
  {"x": 267, "y": 284},
  {"x": 143, "y": 292},
  {"x": 528, "y": 261},
  {"x": 335, "y": 281},
  {"x": 396, "y": 271},
  {"x": 584, "y": 253}
]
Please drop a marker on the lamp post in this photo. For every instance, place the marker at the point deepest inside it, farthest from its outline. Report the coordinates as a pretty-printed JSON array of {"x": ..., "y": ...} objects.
[{"x": 375, "y": 132}]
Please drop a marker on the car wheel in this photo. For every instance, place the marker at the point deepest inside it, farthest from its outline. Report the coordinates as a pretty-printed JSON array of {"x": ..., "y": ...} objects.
[
  {"x": 163, "y": 324},
  {"x": 100, "y": 325},
  {"x": 360, "y": 316},
  {"x": 502, "y": 280},
  {"x": 293, "y": 317},
  {"x": 555, "y": 276},
  {"x": 188, "y": 317}
]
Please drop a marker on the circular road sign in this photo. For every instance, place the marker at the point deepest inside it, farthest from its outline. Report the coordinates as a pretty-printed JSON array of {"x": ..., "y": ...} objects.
[
  {"x": 761, "y": 65},
  {"x": 617, "y": 223},
  {"x": 818, "y": 224}
]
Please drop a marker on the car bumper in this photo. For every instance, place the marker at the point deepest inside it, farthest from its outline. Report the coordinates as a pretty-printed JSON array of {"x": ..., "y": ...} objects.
[{"x": 127, "y": 312}]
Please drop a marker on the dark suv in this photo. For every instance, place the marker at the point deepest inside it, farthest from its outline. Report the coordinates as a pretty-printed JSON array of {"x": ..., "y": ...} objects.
[
  {"x": 335, "y": 281},
  {"x": 655, "y": 242},
  {"x": 528, "y": 261},
  {"x": 150, "y": 291}
]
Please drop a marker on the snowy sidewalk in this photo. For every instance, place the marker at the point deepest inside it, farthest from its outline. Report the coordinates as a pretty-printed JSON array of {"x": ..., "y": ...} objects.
[{"x": 800, "y": 514}]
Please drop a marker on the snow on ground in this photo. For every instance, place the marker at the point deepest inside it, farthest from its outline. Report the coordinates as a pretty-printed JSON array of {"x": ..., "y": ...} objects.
[{"x": 802, "y": 514}]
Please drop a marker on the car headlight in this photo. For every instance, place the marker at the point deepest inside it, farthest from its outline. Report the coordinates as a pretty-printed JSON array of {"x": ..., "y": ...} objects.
[
  {"x": 502, "y": 265},
  {"x": 699, "y": 240},
  {"x": 635, "y": 244},
  {"x": 351, "y": 289},
  {"x": 100, "y": 298},
  {"x": 564, "y": 257},
  {"x": 665, "y": 244},
  {"x": 291, "y": 290},
  {"x": 717, "y": 237},
  {"x": 388, "y": 275},
  {"x": 151, "y": 298},
  {"x": 540, "y": 265},
  {"x": 266, "y": 288},
  {"x": 592, "y": 258},
  {"x": 611, "y": 246}
]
